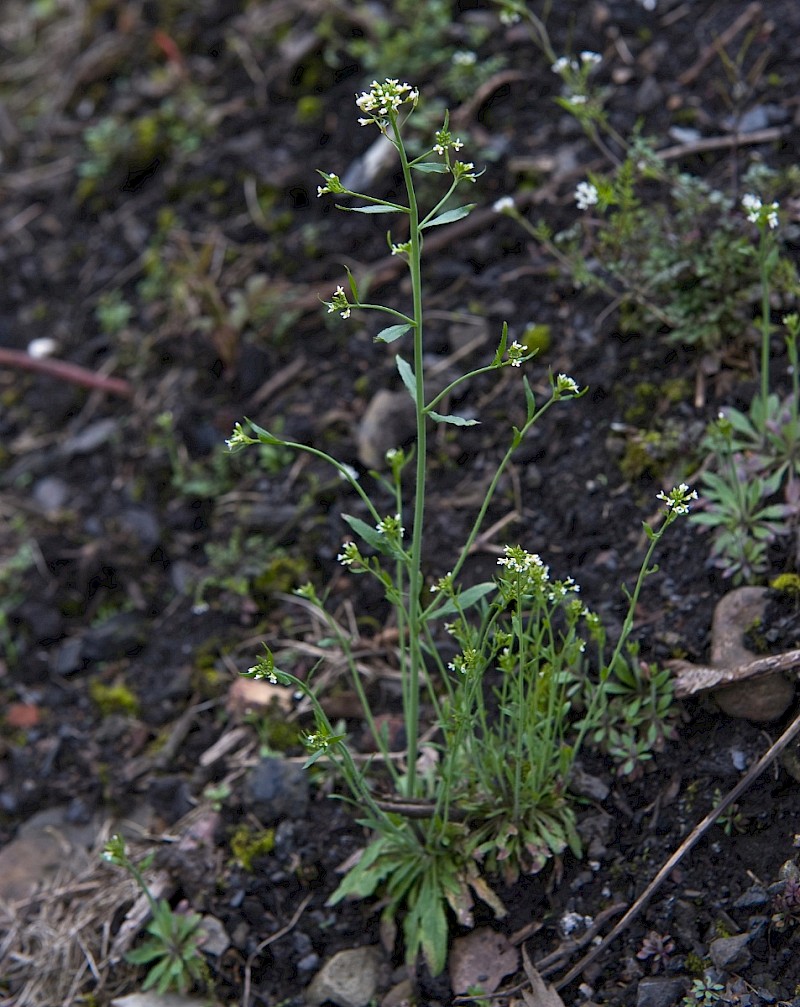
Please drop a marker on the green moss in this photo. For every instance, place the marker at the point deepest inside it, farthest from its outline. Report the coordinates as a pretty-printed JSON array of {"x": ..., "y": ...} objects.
[
  {"x": 248, "y": 843},
  {"x": 536, "y": 338},
  {"x": 282, "y": 573},
  {"x": 787, "y": 583},
  {"x": 110, "y": 699},
  {"x": 695, "y": 965}
]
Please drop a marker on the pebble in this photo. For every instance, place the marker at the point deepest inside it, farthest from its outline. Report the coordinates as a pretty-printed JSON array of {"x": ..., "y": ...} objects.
[
  {"x": 275, "y": 789},
  {"x": 658, "y": 992},
  {"x": 387, "y": 423},
  {"x": 348, "y": 979},
  {"x": 763, "y": 699},
  {"x": 753, "y": 898},
  {"x": 730, "y": 953}
]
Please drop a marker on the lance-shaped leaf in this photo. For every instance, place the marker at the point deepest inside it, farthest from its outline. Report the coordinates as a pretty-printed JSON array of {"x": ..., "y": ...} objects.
[
  {"x": 466, "y": 600},
  {"x": 369, "y": 534},
  {"x": 501, "y": 346},
  {"x": 373, "y": 209},
  {"x": 456, "y": 421},
  {"x": 393, "y": 332},
  {"x": 407, "y": 376},
  {"x": 434, "y": 167},
  {"x": 450, "y": 215}
]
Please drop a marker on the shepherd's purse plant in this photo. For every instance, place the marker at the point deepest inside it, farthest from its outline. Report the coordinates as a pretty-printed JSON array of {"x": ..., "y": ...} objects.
[{"x": 491, "y": 667}]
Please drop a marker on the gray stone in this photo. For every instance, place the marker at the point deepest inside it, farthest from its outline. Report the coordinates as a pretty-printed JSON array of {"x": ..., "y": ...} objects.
[
  {"x": 152, "y": 999},
  {"x": 659, "y": 992},
  {"x": 387, "y": 423},
  {"x": 349, "y": 979},
  {"x": 275, "y": 789},
  {"x": 729, "y": 953},
  {"x": 754, "y": 898},
  {"x": 762, "y": 699}
]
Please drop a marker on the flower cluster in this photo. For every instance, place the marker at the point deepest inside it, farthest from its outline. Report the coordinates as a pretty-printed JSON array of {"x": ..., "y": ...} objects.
[
  {"x": 565, "y": 386},
  {"x": 504, "y": 205},
  {"x": 350, "y": 555},
  {"x": 677, "y": 500},
  {"x": 239, "y": 439},
  {"x": 383, "y": 100},
  {"x": 759, "y": 213},
  {"x": 586, "y": 61},
  {"x": 339, "y": 303},
  {"x": 586, "y": 195},
  {"x": 445, "y": 141},
  {"x": 464, "y": 169},
  {"x": 517, "y": 560},
  {"x": 332, "y": 184},
  {"x": 392, "y": 528},
  {"x": 516, "y": 351},
  {"x": 468, "y": 660}
]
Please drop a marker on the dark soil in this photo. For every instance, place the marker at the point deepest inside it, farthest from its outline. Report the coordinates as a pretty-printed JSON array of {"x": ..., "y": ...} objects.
[{"x": 161, "y": 225}]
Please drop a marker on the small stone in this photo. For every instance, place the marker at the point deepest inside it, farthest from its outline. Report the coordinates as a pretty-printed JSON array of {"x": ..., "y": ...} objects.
[
  {"x": 275, "y": 789},
  {"x": 659, "y": 992},
  {"x": 729, "y": 953},
  {"x": 152, "y": 999},
  {"x": 349, "y": 979},
  {"x": 753, "y": 898},
  {"x": 51, "y": 493},
  {"x": 387, "y": 423},
  {"x": 761, "y": 699}
]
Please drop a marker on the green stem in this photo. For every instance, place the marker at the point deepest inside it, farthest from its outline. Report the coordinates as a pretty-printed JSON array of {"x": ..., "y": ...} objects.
[
  {"x": 412, "y": 678},
  {"x": 763, "y": 258}
]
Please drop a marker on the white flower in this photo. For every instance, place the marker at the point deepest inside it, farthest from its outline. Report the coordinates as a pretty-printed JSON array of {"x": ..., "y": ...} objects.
[
  {"x": 561, "y": 64},
  {"x": 752, "y": 205},
  {"x": 509, "y": 17},
  {"x": 577, "y": 99},
  {"x": 677, "y": 500},
  {"x": 565, "y": 385},
  {"x": 385, "y": 99},
  {"x": 590, "y": 57},
  {"x": 516, "y": 352},
  {"x": 464, "y": 58},
  {"x": 585, "y": 195},
  {"x": 503, "y": 205},
  {"x": 349, "y": 554},
  {"x": 42, "y": 347}
]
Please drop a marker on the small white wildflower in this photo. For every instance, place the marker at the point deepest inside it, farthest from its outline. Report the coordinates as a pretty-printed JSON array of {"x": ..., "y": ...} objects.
[
  {"x": 385, "y": 99},
  {"x": 509, "y": 17},
  {"x": 586, "y": 195},
  {"x": 752, "y": 205},
  {"x": 349, "y": 554},
  {"x": 561, "y": 64},
  {"x": 464, "y": 58},
  {"x": 516, "y": 351},
  {"x": 577, "y": 99},
  {"x": 772, "y": 215},
  {"x": 677, "y": 500},
  {"x": 503, "y": 205},
  {"x": 591, "y": 57},
  {"x": 339, "y": 303},
  {"x": 565, "y": 385},
  {"x": 391, "y": 527},
  {"x": 348, "y": 473},
  {"x": 42, "y": 347}
]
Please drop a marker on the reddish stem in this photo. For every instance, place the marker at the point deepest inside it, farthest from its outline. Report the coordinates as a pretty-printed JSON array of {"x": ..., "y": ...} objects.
[{"x": 65, "y": 371}]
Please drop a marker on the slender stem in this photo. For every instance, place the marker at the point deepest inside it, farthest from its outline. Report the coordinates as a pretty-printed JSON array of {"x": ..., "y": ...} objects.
[
  {"x": 411, "y": 680},
  {"x": 763, "y": 257}
]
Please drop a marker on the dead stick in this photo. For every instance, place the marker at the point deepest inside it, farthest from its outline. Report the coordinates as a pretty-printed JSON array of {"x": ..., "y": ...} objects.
[
  {"x": 753, "y": 773},
  {"x": 749, "y": 14},
  {"x": 690, "y": 679},
  {"x": 72, "y": 373}
]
